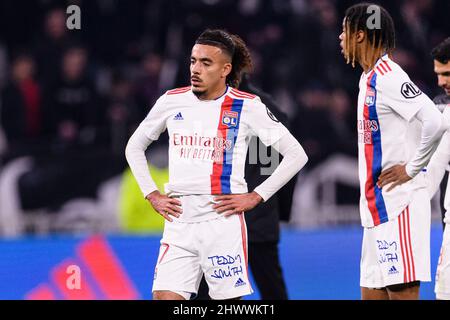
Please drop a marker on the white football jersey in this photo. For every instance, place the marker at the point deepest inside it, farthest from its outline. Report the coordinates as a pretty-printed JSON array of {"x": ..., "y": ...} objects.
[
  {"x": 208, "y": 140},
  {"x": 388, "y": 134}
]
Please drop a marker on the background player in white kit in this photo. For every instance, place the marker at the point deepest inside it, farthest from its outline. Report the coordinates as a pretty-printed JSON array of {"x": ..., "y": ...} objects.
[
  {"x": 438, "y": 164},
  {"x": 209, "y": 124},
  {"x": 398, "y": 129}
]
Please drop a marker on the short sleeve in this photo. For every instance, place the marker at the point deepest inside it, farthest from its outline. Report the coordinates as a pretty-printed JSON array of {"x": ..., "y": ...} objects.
[
  {"x": 263, "y": 123},
  {"x": 155, "y": 122},
  {"x": 401, "y": 95}
]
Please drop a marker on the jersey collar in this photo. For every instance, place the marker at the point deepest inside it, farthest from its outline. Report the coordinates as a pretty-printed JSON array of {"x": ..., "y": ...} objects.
[
  {"x": 227, "y": 89},
  {"x": 384, "y": 57}
]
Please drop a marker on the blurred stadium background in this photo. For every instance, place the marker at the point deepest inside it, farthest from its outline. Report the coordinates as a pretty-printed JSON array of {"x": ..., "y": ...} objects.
[{"x": 71, "y": 98}]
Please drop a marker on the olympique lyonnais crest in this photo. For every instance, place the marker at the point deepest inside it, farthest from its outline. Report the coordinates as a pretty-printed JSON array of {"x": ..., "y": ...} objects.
[
  {"x": 370, "y": 97},
  {"x": 230, "y": 118}
]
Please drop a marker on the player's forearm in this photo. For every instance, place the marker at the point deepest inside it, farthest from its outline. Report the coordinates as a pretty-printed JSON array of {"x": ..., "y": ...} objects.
[
  {"x": 438, "y": 164},
  {"x": 135, "y": 154},
  {"x": 294, "y": 158},
  {"x": 433, "y": 127}
]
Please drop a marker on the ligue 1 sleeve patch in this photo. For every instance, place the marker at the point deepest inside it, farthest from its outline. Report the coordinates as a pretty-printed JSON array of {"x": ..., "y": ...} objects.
[
  {"x": 271, "y": 116},
  {"x": 409, "y": 90}
]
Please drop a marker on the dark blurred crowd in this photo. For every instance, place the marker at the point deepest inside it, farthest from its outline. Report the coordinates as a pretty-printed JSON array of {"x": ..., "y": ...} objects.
[{"x": 71, "y": 98}]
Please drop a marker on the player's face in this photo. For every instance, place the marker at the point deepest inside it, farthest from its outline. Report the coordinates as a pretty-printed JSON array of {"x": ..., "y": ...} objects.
[
  {"x": 443, "y": 73},
  {"x": 209, "y": 68},
  {"x": 343, "y": 40},
  {"x": 356, "y": 38}
]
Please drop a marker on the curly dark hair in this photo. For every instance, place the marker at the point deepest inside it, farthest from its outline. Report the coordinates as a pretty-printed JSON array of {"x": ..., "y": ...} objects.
[{"x": 233, "y": 45}]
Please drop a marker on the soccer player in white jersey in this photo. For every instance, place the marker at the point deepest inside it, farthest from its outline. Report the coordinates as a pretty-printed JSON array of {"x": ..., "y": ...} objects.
[
  {"x": 439, "y": 163},
  {"x": 209, "y": 124},
  {"x": 399, "y": 127}
]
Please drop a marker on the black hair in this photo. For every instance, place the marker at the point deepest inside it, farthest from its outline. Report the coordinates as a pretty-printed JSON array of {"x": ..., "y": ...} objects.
[
  {"x": 441, "y": 52},
  {"x": 380, "y": 38},
  {"x": 235, "y": 47}
]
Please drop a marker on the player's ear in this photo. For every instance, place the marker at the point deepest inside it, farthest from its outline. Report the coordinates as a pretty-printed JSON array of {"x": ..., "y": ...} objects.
[
  {"x": 360, "y": 36},
  {"x": 226, "y": 69}
]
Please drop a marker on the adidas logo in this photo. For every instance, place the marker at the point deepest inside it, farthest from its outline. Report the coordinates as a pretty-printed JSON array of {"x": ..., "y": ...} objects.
[
  {"x": 392, "y": 270},
  {"x": 178, "y": 116},
  {"x": 239, "y": 283}
]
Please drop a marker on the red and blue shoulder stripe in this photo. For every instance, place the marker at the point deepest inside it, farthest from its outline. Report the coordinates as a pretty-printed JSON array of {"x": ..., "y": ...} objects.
[
  {"x": 383, "y": 67},
  {"x": 241, "y": 94},
  {"x": 178, "y": 90}
]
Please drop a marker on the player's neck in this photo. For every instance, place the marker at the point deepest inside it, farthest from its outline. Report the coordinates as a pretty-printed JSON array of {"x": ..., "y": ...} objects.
[
  {"x": 370, "y": 60},
  {"x": 366, "y": 67},
  {"x": 213, "y": 94}
]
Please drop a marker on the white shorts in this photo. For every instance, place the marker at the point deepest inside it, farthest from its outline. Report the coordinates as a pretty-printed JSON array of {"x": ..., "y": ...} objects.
[
  {"x": 216, "y": 248},
  {"x": 442, "y": 287},
  {"x": 398, "y": 251}
]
